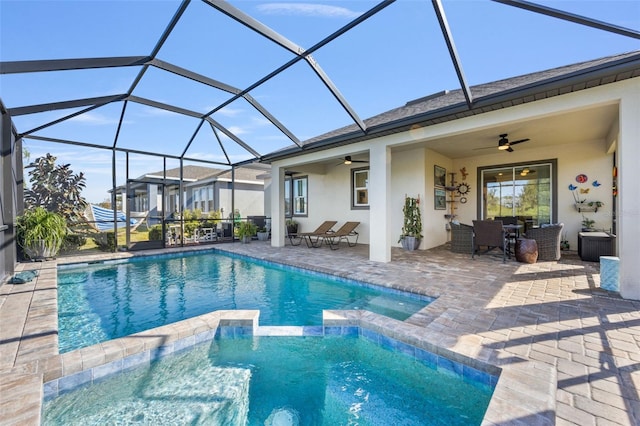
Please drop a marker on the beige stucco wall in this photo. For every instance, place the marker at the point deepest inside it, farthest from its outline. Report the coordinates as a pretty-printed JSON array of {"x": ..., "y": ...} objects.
[
  {"x": 411, "y": 172},
  {"x": 589, "y": 157}
]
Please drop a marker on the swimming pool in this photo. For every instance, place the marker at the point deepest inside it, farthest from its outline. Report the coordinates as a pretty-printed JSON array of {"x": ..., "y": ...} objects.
[
  {"x": 103, "y": 301},
  {"x": 281, "y": 380}
]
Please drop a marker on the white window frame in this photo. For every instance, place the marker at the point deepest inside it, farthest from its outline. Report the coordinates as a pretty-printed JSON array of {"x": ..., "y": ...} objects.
[
  {"x": 296, "y": 196},
  {"x": 355, "y": 205}
]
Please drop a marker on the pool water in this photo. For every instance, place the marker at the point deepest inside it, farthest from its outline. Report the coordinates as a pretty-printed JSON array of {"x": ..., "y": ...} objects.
[
  {"x": 277, "y": 380},
  {"x": 99, "y": 302}
]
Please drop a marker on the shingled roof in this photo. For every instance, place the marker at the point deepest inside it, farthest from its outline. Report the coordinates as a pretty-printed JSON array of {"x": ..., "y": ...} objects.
[
  {"x": 198, "y": 173},
  {"x": 450, "y": 105}
]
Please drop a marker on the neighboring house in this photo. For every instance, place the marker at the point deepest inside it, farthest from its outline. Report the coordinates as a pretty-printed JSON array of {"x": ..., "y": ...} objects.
[
  {"x": 204, "y": 188},
  {"x": 582, "y": 123}
]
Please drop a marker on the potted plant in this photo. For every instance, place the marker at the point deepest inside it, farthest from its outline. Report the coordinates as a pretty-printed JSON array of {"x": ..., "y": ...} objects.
[
  {"x": 587, "y": 224},
  {"x": 564, "y": 243},
  {"x": 246, "y": 230},
  {"x": 292, "y": 226},
  {"x": 41, "y": 233},
  {"x": 412, "y": 229},
  {"x": 263, "y": 234}
]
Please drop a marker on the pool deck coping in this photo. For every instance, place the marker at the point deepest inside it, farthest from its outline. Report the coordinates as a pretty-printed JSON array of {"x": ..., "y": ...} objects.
[{"x": 525, "y": 392}]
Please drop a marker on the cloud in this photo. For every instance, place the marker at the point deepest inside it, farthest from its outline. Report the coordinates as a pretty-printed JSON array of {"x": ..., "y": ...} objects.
[
  {"x": 236, "y": 130},
  {"x": 308, "y": 9},
  {"x": 93, "y": 119},
  {"x": 228, "y": 112}
]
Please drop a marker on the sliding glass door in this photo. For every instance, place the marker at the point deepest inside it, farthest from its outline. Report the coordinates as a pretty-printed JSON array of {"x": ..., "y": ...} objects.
[{"x": 523, "y": 190}]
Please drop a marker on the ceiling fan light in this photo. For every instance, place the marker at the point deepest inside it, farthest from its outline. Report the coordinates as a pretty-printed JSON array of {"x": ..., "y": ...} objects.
[
  {"x": 502, "y": 147},
  {"x": 347, "y": 160}
]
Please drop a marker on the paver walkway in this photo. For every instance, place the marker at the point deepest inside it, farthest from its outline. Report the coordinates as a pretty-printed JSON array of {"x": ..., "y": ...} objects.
[{"x": 552, "y": 313}]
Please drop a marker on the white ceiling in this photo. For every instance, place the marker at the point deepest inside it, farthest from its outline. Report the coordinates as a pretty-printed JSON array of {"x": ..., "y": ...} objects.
[{"x": 572, "y": 127}]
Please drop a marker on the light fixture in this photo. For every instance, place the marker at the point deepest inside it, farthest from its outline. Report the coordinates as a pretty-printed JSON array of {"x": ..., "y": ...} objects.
[
  {"x": 503, "y": 143},
  {"x": 347, "y": 160}
]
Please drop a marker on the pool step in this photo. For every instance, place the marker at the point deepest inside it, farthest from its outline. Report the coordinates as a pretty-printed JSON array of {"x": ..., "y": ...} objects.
[{"x": 289, "y": 330}]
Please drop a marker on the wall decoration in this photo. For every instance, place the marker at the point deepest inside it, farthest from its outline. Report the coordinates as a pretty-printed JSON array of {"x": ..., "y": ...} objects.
[
  {"x": 584, "y": 190},
  {"x": 463, "y": 200},
  {"x": 581, "y": 178},
  {"x": 463, "y": 172},
  {"x": 596, "y": 183},
  {"x": 463, "y": 188},
  {"x": 572, "y": 187},
  {"x": 439, "y": 176},
  {"x": 439, "y": 199}
]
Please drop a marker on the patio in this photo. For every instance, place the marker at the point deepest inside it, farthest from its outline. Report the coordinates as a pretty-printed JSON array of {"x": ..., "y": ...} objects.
[{"x": 566, "y": 344}]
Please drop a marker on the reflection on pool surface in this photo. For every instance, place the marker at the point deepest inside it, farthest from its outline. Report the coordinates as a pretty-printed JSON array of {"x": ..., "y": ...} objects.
[
  {"x": 253, "y": 380},
  {"x": 99, "y": 302}
]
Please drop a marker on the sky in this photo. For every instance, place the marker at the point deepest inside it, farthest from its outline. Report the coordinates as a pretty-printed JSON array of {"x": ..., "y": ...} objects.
[{"x": 393, "y": 57}]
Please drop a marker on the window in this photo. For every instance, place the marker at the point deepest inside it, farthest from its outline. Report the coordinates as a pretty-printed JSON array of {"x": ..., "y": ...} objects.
[
  {"x": 360, "y": 188},
  {"x": 295, "y": 196},
  {"x": 526, "y": 191}
]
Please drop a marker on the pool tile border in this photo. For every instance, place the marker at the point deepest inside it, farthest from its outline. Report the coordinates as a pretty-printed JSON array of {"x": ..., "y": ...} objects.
[{"x": 231, "y": 325}]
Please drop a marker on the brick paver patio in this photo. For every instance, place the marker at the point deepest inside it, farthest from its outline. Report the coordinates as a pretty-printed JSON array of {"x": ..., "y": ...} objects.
[{"x": 558, "y": 337}]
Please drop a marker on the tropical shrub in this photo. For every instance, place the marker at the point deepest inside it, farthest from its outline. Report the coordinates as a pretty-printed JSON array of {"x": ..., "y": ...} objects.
[
  {"x": 155, "y": 233},
  {"x": 56, "y": 189},
  {"x": 40, "y": 233}
]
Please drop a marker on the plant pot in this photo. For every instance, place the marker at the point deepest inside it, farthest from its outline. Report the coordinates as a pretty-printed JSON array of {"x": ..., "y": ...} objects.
[
  {"x": 245, "y": 239},
  {"x": 39, "y": 251},
  {"x": 263, "y": 236},
  {"x": 292, "y": 229},
  {"x": 410, "y": 243}
]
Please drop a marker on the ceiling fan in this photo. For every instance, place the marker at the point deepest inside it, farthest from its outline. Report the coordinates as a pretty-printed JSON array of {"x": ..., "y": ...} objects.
[
  {"x": 348, "y": 160},
  {"x": 505, "y": 144}
]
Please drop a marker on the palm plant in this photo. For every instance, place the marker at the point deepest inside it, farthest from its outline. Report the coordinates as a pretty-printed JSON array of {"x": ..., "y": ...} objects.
[{"x": 41, "y": 233}]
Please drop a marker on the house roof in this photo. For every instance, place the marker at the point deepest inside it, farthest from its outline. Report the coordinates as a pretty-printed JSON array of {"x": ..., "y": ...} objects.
[
  {"x": 450, "y": 105},
  {"x": 200, "y": 173}
]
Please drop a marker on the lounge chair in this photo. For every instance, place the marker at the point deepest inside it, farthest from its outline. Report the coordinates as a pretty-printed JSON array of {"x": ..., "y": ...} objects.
[
  {"x": 491, "y": 234},
  {"x": 347, "y": 230},
  {"x": 320, "y": 231}
]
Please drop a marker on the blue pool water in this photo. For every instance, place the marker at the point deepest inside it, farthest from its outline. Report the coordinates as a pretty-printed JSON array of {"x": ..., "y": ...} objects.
[
  {"x": 271, "y": 380},
  {"x": 99, "y": 302}
]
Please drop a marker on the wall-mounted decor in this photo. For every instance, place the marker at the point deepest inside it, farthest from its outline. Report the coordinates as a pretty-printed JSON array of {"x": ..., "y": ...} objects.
[
  {"x": 440, "y": 199},
  {"x": 439, "y": 176},
  {"x": 463, "y": 188},
  {"x": 581, "y": 178}
]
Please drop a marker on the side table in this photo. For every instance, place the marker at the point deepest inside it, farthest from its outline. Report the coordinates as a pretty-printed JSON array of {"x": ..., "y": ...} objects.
[{"x": 592, "y": 245}]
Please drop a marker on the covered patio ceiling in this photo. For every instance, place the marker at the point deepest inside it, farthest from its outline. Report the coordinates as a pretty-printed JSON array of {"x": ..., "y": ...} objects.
[{"x": 184, "y": 96}]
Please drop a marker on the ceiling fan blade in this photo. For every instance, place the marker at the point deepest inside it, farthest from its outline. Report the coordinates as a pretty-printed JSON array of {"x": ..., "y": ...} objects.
[
  {"x": 359, "y": 161},
  {"x": 509, "y": 149},
  {"x": 516, "y": 142},
  {"x": 486, "y": 147}
]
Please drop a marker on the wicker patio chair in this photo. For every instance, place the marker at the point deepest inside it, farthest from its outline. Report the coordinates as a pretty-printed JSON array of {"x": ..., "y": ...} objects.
[
  {"x": 461, "y": 238},
  {"x": 548, "y": 240},
  {"x": 490, "y": 234}
]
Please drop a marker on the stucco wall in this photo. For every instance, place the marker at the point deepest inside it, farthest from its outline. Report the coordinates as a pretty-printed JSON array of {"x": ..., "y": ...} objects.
[{"x": 589, "y": 158}]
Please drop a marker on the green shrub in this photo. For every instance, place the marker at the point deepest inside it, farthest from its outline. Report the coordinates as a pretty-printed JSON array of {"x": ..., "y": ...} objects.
[
  {"x": 106, "y": 241},
  {"x": 155, "y": 233},
  {"x": 73, "y": 242}
]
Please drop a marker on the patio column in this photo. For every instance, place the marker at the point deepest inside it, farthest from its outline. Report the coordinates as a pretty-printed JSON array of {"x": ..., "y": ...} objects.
[
  {"x": 277, "y": 206},
  {"x": 628, "y": 220},
  {"x": 379, "y": 195}
]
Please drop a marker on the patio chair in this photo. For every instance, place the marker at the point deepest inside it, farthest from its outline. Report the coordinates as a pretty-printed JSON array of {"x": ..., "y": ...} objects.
[
  {"x": 320, "y": 231},
  {"x": 490, "y": 234},
  {"x": 548, "y": 239},
  {"x": 347, "y": 230},
  {"x": 461, "y": 238}
]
